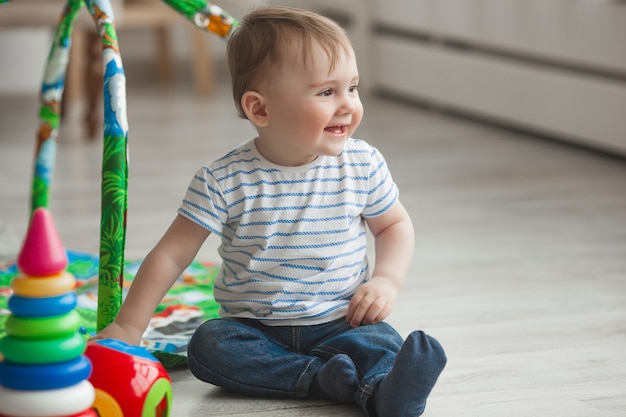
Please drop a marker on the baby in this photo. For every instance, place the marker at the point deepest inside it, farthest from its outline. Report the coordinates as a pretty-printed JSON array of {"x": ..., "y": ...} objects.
[{"x": 301, "y": 309}]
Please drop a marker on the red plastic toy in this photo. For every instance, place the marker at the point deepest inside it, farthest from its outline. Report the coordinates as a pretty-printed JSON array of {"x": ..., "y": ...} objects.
[{"x": 129, "y": 381}]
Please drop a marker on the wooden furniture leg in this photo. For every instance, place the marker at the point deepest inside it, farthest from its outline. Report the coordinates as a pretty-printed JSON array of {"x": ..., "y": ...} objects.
[
  {"x": 94, "y": 76},
  {"x": 203, "y": 71}
]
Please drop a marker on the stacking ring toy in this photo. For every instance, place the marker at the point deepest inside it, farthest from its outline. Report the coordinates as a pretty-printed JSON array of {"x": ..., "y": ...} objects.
[
  {"x": 42, "y": 307},
  {"x": 44, "y": 327},
  {"x": 45, "y": 286},
  {"x": 57, "y": 402},
  {"x": 39, "y": 352},
  {"x": 44, "y": 377}
]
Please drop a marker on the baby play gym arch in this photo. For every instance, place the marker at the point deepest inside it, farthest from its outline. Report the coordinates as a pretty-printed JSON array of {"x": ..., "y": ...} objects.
[{"x": 114, "y": 187}]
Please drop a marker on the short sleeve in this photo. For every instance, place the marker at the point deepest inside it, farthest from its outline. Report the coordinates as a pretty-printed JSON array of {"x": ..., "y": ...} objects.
[
  {"x": 204, "y": 203},
  {"x": 383, "y": 192}
]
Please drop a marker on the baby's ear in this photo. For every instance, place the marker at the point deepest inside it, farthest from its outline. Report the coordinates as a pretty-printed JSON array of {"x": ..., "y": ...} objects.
[{"x": 253, "y": 104}]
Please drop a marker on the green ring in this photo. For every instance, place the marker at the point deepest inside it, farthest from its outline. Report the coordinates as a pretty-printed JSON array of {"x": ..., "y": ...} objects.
[
  {"x": 161, "y": 389},
  {"x": 39, "y": 352},
  {"x": 43, "y": 327}
]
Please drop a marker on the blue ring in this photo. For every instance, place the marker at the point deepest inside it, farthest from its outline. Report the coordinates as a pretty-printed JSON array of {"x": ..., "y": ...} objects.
[
  {"x": 124, "y": 347},
  {"x": 44, "y": 377},
  {"x": 42, "y": 307}
]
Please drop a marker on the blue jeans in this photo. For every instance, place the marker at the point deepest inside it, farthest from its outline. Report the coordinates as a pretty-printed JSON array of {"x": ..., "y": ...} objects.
[{"x": 250, "y": 358}]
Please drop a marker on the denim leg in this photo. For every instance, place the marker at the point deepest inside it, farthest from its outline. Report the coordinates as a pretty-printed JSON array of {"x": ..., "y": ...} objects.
[
  {"x": 372, "y": 348},
  {"x": 396, "y": 376},
  {"x": 236, "y": 355}
]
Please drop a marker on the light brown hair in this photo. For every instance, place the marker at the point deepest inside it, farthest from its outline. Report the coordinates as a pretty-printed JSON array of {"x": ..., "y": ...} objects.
[{"x": 265, "y": 34}]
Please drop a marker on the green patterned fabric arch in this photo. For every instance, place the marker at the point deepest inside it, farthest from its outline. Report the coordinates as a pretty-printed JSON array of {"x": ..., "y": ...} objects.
[{"x": 114, "y": 187}]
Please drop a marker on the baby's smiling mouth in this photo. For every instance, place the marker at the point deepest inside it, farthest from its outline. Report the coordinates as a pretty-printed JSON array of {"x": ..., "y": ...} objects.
[{"x": 337, "y": 130}]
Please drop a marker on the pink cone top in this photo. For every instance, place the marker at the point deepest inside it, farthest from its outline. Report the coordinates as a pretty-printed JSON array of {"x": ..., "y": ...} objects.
[{"x": 42, "y": 252}]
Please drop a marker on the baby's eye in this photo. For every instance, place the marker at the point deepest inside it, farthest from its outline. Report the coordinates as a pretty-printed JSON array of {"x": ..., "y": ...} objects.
[
  {"x": 326, "y": 93},
  {"x": 353, "y": 88}
]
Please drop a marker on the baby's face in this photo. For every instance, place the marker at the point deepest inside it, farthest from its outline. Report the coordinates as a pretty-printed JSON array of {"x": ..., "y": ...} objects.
[{"x": 312, "y": 109}]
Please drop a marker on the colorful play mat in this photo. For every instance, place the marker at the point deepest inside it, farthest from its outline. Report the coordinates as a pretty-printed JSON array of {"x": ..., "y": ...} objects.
[{"x": 188, "y": 303}]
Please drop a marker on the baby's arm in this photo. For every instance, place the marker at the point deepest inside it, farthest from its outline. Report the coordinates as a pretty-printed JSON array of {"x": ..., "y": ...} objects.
[
  {"x": 394, "y": 245},
  {"x": 157, "y": 273}
]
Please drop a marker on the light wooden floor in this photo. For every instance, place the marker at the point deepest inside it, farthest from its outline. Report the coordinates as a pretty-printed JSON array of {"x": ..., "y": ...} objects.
[{"x": 520, "y": 266}]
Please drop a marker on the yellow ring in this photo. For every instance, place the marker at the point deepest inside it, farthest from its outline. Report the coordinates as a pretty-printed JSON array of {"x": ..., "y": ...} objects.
[
  {"x": 106, "y": 405},
  {"x": 49, "y": 286}
]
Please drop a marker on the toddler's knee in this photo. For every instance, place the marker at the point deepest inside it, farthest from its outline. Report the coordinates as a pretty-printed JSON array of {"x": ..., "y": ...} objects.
[
  {"x": 203, "y": 335},
  {"x": 204, "y": 343}
]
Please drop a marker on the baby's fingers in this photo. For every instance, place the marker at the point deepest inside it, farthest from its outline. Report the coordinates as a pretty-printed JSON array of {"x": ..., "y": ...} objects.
[
  {"x": 368, "y": 310},
  {"x": 356, "y": 312},
  {"x": 378, "y": 311}
]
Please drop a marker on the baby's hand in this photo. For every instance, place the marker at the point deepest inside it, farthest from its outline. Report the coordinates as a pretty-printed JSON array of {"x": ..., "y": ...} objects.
[
  {"x": 115, "y": 331},
  {"x": 372, "y": 302}
]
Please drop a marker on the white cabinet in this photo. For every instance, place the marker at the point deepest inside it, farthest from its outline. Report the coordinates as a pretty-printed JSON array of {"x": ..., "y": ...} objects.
[{"x": 556, "y": 67}]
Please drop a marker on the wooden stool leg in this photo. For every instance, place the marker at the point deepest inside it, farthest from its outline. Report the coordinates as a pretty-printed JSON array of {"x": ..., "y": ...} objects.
[
  {"x": 203, "y": 71},
  {"x": 94, "y": 77},
  {"x": 74, "y": 81},
  {"x": 165, "y": 67}
]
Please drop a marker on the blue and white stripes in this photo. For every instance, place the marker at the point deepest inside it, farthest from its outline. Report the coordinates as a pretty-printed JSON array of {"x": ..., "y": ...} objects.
[{"x": 293, "y": 238}]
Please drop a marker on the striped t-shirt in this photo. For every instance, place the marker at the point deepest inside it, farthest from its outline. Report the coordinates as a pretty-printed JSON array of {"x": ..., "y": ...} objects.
[{"x": 293, "y": 238}]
